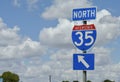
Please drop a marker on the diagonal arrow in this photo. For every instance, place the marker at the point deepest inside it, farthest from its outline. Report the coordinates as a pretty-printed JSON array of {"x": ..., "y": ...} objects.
[{"x": 81, "y": 59}]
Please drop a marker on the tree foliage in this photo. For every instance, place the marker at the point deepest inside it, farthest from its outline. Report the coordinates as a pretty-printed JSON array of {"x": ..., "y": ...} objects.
[
  {"x": 107, "y": 80},
  {"x": 65, "y": 81},
  {"x": 10, "y": 77},
  {"x": 75, "y": 81},
  {"x": 89, "y": 81}
]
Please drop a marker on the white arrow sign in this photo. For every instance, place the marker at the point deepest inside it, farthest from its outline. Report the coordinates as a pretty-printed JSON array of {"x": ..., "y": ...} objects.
[{"x": 81, "y": 59}]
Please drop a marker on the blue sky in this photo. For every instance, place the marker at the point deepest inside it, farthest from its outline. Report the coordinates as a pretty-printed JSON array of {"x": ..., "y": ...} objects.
[
  {"x": 110, "y": 5},
  {"x": 113, "y": 7},
  {"x": 36, "y": 34},
  {"x": 29, "y": 19}
]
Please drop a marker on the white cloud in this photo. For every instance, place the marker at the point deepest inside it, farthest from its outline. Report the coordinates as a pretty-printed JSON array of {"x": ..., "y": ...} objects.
[
  {"x": 57, "y": 67},
  {"x": 60, "y": 67},
  {"x": 8, "y": 36},
  {"x": 101, "y": 73},
  {"x": 16, "y": 3},
  {"x": 59, "y": 36},
  {"x": 27, "y": 48},
  {"x": 63, "y": 8},
  {"x": 102, "y": 56},
  {"x": 13, "y": 46},
  {"x": 17, "y": 53},
  {"x": 107, "y": 26},
  {"x": 24, "y": 56},
  {"x": 32, "y": 4},
  {"x": 108, "y": 29}
]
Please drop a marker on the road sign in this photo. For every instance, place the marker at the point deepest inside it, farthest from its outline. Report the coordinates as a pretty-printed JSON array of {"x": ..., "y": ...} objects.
[
  {"x": 83, "y": 61},
  {"x": 84, "y": 36},
  {"x": 84, "y": 14}
]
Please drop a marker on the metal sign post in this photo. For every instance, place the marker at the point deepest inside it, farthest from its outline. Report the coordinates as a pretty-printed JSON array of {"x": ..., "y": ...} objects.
[
  {"x": 84, "y": 76},
  {"x": 84, "y": 71},
  {"x": 50, "y": 78}
]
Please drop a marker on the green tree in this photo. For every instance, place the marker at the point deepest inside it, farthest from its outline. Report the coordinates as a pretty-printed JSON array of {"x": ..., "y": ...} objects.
[
  {"x": 65, "y": 81},
  {"x": 10, "y": 77},
  {"x": 107, "y": 80},
  {"x": 75, "y": 81},
  {"x": 89, "y": 81}
]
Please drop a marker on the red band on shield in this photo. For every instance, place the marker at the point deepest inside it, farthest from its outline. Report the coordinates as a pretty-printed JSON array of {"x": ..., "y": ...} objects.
[{"x": 84, "y": 27}]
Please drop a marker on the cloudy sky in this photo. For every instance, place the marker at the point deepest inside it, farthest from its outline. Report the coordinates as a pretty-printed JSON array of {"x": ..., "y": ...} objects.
[{"x": 35, "y": 39}]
